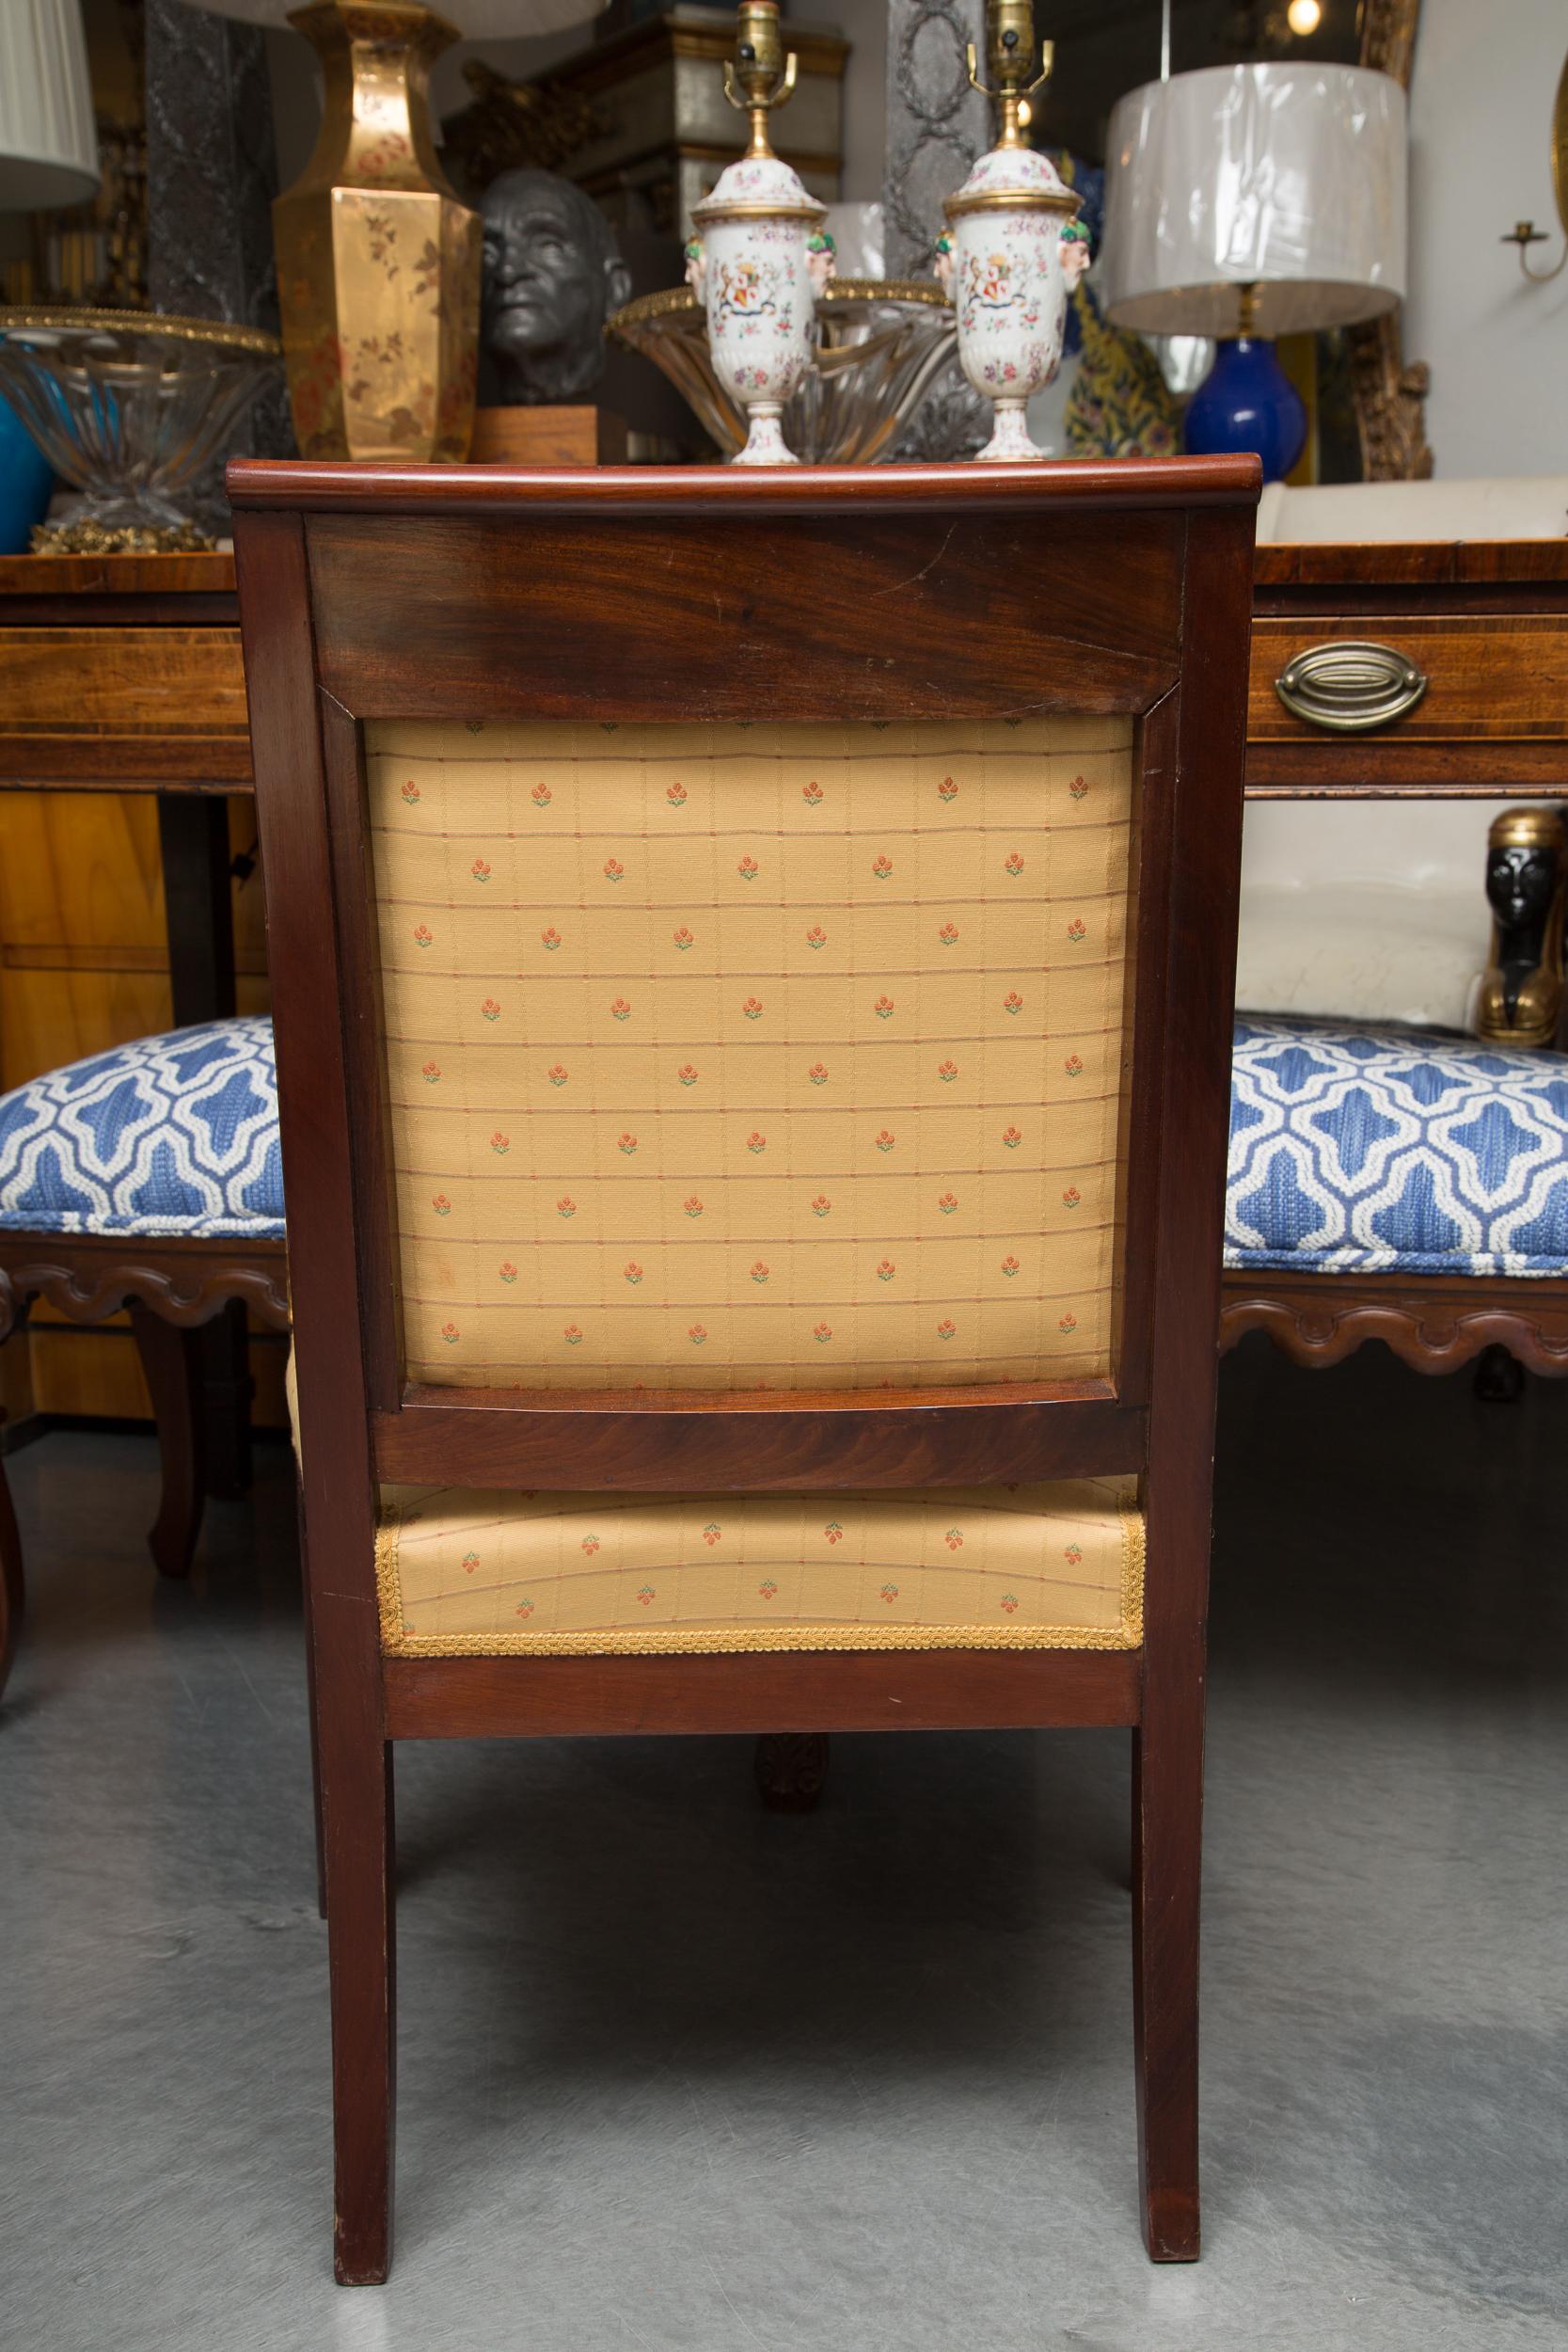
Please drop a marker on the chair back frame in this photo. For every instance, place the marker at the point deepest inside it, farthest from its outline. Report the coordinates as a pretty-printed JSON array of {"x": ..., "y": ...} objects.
[{"x": 637, "y": 595}]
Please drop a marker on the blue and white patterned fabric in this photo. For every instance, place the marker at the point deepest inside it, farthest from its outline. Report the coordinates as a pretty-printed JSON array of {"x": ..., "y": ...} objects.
[
  {"x": 1389, "y": 1150},
  {"x": 174, "y": 1135}
]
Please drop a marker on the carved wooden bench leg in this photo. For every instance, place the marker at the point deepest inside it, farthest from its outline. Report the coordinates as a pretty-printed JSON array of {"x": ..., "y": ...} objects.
[
  {"x": 791, "y": 1767},
  {"x": 11, "y": 1587},
  {"x": 171, "y": 1360},
  {"x": 1499, "y": 1376}
]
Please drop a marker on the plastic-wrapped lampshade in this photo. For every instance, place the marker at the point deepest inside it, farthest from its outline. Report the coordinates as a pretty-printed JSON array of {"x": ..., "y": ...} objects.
[
  {"x": 48, "y": 143},
  {"x": 1290, "y": 179}
]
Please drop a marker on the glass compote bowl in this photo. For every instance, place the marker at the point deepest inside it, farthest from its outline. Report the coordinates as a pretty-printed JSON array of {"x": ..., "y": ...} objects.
[
  {"x": 128, "y": 406},
  {"x": 881, "y": 341}
]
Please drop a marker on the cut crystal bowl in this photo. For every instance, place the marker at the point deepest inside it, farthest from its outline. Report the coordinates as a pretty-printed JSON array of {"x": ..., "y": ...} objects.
[
  {"x": 129, "y": 406},
  {"x": 879, "y": 345}
]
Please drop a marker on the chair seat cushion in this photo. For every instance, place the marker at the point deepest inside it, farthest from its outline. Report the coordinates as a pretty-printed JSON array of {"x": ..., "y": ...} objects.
[
  {"x": 171, "y": 1135},
  {"x": 463, "y": 1572},
  {"x": 1387, "y": 1150}
]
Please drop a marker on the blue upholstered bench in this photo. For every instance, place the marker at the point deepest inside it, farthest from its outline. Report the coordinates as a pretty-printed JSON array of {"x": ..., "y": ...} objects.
[
  {"x": 171, "y": 1136},
  {"x": 1398, "y": 1185},
  {"x": 147, "y": 1177}
]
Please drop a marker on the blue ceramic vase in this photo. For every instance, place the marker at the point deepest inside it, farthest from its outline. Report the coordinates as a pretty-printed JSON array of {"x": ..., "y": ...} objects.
[{"x": 25, "y": 483}]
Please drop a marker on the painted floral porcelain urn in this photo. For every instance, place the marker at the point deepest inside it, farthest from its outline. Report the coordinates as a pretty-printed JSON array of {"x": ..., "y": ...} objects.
[
  {"x": 1012, "y": 249},
  {"x": 762, "y": 254}
]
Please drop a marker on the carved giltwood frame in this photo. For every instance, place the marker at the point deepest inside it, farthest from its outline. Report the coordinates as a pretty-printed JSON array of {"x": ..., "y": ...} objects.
[{"x": 1389, "y": 394}]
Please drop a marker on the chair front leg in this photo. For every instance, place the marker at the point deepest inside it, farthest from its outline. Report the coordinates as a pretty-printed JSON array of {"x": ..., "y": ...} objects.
[
  {"x": 357, "y": 1790},
  {"x": 1168, "y": 1832},
  {"x": 171, "y": 1360},
  {"x": 310, "y": 1696}
]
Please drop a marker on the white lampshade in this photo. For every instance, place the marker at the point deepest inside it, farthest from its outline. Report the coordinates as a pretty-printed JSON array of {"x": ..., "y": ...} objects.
[
  {"x": 1290, "y": 179},
  {"x": 48, "y": 142},
  {"x": 474, "y": 20}
]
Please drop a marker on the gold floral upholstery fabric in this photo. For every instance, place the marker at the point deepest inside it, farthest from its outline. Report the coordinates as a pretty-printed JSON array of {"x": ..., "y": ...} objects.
[
  {"x": 1032, "y": 1567},
  {"x": 754, "y": 1057}
]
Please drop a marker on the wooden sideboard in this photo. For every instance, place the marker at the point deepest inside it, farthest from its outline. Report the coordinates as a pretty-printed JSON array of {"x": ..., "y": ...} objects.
[
  {"x": 124, "y": 674},
  {"x": 125, "y": 761},
  {"x": 124, "y": 748},
  {"x": 1487, "y": 623}
]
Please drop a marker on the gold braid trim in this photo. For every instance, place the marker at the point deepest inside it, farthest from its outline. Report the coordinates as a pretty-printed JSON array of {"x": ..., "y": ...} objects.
[
  {"x": 388, "y": 1584},
  {"x": 1132, "y": 1628},
  {"x": 734, "y": 1640}
]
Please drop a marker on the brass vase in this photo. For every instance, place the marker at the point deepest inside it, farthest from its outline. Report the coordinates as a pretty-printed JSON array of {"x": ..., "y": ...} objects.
[{"x": 377, "y": 260}]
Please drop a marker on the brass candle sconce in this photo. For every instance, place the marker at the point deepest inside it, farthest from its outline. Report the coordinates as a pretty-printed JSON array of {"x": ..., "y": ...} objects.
[{"x": 1524, "y": 234}]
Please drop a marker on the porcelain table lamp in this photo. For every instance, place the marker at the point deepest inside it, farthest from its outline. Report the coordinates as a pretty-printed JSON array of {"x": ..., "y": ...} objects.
[
  {"x": 761, "y": 255},
  {"x": 1010, "y": 252},
  {"x": 1247, "y": 202}
]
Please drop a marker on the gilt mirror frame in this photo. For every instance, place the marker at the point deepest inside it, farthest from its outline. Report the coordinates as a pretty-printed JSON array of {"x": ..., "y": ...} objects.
[{"x": 1390, "y": 392}]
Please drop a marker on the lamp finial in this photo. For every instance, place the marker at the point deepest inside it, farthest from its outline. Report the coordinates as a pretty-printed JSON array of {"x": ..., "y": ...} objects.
[
  {"x": 761, "y": 78},
  {"x": 1009, "y": 53}
]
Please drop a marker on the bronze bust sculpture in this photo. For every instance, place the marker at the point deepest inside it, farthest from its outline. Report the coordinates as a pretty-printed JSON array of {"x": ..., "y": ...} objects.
[
  {"x": 552, "y": 275},
  {"x": 1521, "y": 991}
]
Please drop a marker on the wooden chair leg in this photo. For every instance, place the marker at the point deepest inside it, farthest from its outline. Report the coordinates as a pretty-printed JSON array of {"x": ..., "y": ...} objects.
[
  {"x": 356, "y": 1775},
  {"x": 310, "y": 1701},
  {"x": 791, "y": 1767},
  {"x": 12, "y": 1590},
  {"x": 1499, "y": 1377},
  {"x": 171, "y": 1360},
  {"x": 223, "y": 1349},
  {"x": 1168, "y": 1830}
]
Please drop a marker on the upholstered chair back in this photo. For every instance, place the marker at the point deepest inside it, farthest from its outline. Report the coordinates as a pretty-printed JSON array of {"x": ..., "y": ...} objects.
[{"x": 755, "y": 1056}]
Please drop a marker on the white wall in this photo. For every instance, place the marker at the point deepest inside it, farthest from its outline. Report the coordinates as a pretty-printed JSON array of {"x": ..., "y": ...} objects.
[
  {"x": 1480, "y": 119},
  {"x": 864, "y": 24}
]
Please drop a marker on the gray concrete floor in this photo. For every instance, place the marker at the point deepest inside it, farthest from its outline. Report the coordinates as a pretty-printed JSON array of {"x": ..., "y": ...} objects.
[{"x": 679, "y": 2073}]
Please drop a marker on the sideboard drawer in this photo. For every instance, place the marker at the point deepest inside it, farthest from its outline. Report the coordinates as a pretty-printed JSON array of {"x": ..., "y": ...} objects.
[
  {"x": 117, "y": 707},
  {"x": 1490, "y": 718}
]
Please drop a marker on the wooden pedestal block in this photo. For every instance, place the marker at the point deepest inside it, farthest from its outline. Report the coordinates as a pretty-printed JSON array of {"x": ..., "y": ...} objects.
[{"x": 580, "y": 436}]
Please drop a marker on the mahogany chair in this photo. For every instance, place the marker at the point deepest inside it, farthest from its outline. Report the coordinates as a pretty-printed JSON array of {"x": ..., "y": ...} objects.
[{"x": 753, "y": 960}]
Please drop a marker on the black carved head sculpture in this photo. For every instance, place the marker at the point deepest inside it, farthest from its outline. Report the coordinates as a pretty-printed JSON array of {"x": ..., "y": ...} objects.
[
  {"x": 1520, "y": 879},
  {"x": 551, "y": 277},
  {"x": 1526, "y": 867}
]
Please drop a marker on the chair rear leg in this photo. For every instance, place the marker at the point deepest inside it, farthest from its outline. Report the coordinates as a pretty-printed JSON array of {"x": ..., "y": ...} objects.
[
  {"x": 12, "y": 1590},
  {"x": 223, "y": 1403},
  {"x": 791, "y": 1767},
  {"x": 171, "y": 1360},
  {"x": 356, "y": 1786},
  {"x": 1168, "y": 1831}
]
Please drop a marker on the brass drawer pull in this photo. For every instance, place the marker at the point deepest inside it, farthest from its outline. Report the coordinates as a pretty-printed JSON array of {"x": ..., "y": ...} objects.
[{"x": 1350, "y": 687}]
